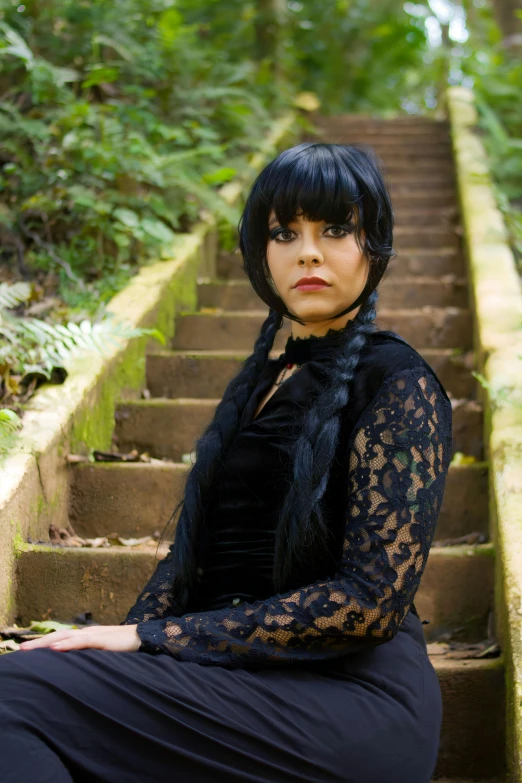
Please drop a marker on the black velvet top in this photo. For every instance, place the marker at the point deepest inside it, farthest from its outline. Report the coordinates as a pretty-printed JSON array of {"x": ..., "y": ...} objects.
[{"x": 383, "y": 500}]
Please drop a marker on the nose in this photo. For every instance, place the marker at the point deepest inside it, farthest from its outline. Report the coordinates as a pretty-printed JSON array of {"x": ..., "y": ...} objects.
[{"x": 309, "y": 252}]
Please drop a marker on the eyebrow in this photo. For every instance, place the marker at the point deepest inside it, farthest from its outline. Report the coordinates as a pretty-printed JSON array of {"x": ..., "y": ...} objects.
[{"x": 273, "y": 221}]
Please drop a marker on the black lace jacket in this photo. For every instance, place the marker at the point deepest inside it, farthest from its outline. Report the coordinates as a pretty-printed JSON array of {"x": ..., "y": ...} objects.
[{"x": 397, "y": 447}]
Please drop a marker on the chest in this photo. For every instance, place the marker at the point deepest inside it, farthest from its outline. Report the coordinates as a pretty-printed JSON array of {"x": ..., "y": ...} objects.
[{"x": 267, "y": 394}]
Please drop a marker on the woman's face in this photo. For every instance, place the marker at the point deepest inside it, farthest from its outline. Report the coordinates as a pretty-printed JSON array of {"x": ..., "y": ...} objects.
[{"x": 321, "y": 249}]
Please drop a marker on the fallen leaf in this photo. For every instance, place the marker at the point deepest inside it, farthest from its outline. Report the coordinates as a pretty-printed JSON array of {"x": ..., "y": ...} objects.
[
  {"x": 463, "y": 459},
  {"x": 470, "y": 538},
  {"x": 131, "y": 541},
  {"x": 96, "y": 543},
  {"x": 454, "y": 650},
  {"x": 435, "y": 648},
  {"x": 63, "y": 537},
  {"x": 493, "y": 651},
  {"x": 8, "y": 646},
  {"x": 116, "y": 456},
  {"x": 47, "y": 626}
]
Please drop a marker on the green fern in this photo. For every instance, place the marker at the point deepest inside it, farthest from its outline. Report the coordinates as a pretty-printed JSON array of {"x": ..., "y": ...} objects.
[
  {"x": 10, "y": 423},
  {"x": 14, "y": 294},
  {"x": 32, "y": 349},
  {"x": 58, "y": 342}
]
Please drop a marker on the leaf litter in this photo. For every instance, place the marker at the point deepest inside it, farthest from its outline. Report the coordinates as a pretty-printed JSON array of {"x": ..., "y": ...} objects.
[
  {"x": 68, "y": 538},
  {"x": 12, "y": 636}
]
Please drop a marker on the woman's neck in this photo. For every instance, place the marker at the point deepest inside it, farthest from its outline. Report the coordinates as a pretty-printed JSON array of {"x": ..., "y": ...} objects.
[{"x": 320, "y": 328}]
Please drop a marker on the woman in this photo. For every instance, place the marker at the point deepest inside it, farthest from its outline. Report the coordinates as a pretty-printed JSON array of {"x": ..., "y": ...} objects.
[{"x": 279, "y": 639}]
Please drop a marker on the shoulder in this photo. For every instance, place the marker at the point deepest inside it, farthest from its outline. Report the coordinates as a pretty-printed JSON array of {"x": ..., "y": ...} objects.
[
  {"x": 387, "y": 356},
  {"x": 389, "y": 361}
]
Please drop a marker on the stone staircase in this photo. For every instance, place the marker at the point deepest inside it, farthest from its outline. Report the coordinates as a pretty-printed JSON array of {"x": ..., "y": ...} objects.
[{"x": 424, "y": 297}]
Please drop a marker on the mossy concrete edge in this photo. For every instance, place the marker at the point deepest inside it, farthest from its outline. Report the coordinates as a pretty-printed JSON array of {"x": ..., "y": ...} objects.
[
  {"x": 78, "y": 415},
  {"x": 496, "y": 298}
]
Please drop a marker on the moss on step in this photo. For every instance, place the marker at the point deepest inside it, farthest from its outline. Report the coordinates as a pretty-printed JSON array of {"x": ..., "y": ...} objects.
[{"x": 171, "y": 284}]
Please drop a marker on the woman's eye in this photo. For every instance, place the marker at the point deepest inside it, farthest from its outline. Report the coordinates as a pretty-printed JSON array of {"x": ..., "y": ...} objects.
[
  {"x": 341, "y": 229},
  {"x": 279, "y": 233}
]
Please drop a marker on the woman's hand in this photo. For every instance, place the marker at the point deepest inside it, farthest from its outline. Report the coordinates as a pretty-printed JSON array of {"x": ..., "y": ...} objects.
[{"x": 118, "y": 638}]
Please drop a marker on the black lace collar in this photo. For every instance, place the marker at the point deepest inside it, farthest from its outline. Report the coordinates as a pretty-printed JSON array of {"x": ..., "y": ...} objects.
[{"x": 300, "y": 349}]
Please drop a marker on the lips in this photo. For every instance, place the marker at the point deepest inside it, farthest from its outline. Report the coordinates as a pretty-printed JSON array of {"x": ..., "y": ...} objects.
[{"x": 311, "y": 282}]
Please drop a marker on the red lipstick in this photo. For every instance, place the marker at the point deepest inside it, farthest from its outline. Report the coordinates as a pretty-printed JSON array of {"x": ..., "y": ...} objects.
[{"x": 311, "y": 283}]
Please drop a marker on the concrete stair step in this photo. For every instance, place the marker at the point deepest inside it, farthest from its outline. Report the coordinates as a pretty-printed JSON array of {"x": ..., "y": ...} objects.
[
  {"x": 135, "y": 499},
  {"x": 398, "y": 164},
  {"x": 380, "y": 131},
  {"x": 414, "y": 179},
  {"x": 431, "y": 142},
  {"x": 427, "y": 327},
  {"x": 426, "y": 217},
  {"x": 169, "y": 428},
  {"x": 424, "y": 155},
  {"x": 425, "y": 145},
  {"x": 425, "y": 236},
  {"x": 207, "y": 373},
  {"x": 413, "y": 261},
  {"x": 386, "y": 128},
  {"x": 426, "y": 261},
  {"x": 61, "y": 582},
  {"x": 394, "y": 291},
  {"x": 406, "y": 199},
  {"x": 472, "y": 739},
  {"x": 361, "y": 133},
  {"x": 399, "y": 124}
]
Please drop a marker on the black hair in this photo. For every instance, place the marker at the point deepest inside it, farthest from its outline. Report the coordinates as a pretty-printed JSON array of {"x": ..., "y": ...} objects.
[{"x": 321, "y": 181}]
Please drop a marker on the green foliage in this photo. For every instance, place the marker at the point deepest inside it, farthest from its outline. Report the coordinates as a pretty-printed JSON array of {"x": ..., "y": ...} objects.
[
  {"x": 33, "y": 351},
  {"x": 497, "y": 78},
  {"x": 113, "y": 137},
  {"x": 49, "y": 626},
  {"x": 358, "y": 56},
  {"x": 362, "y": 57},
  {"x": 498, "y": 398},
  {"x": 10, "y": 423},
  {"x": 117, "y": 129}
]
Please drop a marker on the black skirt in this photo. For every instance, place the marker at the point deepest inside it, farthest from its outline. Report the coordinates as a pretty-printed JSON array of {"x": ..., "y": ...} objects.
[{"x": 95, "y": 715}]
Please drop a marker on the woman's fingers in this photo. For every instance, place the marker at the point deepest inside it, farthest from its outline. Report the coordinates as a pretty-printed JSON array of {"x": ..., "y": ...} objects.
[
  {"x": 81, "y": 641},
  {"x": 120, "y": 638},
  {"x": 49, "y": 639}
]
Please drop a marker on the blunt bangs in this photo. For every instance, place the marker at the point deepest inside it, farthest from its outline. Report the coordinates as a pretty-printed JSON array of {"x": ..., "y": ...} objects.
[{"x": 313, "y": 184}]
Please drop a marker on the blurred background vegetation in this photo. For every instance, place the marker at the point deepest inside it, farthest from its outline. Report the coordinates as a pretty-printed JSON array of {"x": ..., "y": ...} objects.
[{"x": 119, "y": 122}]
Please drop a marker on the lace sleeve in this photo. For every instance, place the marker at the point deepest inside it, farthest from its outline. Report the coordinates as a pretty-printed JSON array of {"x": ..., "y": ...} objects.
[
  {"x": 399, "y": 454},
  {"x": 154, "y": 600}
]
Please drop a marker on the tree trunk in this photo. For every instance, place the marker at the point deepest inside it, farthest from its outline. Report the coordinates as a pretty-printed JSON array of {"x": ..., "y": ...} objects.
[
  {"x": 268, "y": 26},
  {"x": 510, "y": 24}
]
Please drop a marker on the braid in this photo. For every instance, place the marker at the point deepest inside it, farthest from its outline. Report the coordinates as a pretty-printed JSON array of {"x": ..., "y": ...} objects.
[
  {"x": 210, "y": 450},
  {"x": 302, "y": 517}
]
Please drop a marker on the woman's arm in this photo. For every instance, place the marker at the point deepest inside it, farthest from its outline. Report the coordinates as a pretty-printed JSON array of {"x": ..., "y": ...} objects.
[
  {"x": 399, "y": 457},
  {"x": 154, "y": 601}
]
